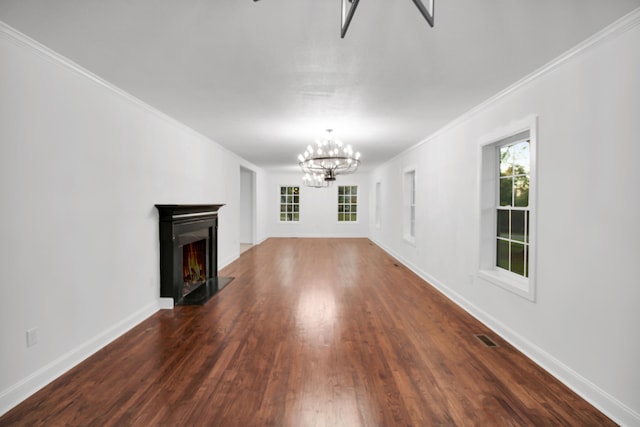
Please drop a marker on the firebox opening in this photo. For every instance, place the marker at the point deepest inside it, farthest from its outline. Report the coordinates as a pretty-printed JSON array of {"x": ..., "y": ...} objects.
[{"x": 194, "y": 274}]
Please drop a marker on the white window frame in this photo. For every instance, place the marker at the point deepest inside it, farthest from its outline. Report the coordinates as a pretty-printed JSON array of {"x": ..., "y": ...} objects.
[
  {"x": 378, "y": 206},
  {"x": 357, "y": 212},
  {"x": 286, "y": 221},
  {"x": 409, "y": 179},
  {"x": 489, "y": 193}
]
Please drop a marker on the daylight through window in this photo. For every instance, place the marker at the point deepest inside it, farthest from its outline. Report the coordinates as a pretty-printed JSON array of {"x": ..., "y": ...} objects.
[
  {"x": 347, "y": 203},
  {"x": 409, "y": 223},
  {"x": 506, "y": 255},
  {"x": 289, "y": 204},
  {"x": 512, "y": 245}
]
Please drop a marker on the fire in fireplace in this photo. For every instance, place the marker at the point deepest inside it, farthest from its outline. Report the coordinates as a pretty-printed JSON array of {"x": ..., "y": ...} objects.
[{"x": 194, "y": 265}]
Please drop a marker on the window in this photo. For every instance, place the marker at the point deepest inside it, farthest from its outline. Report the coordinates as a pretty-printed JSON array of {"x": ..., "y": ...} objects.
[
  {"x": 290, "y": 204},
  {"x": 512, "y": 212},
  {"x": 378, "y": 204},
  {"x": 507, "y": 208},
  {"x": 409, "y": 197},
  {"x": 347, "y": 203}
]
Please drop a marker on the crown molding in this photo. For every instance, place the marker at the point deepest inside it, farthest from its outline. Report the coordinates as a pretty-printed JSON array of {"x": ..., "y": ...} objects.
[
  {"x": 22, "y": 40},
  {"x": 617, "y": 28}
]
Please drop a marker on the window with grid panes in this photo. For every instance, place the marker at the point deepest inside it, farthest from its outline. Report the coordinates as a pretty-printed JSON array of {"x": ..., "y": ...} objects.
[
  {"x": 512, "y": 231},
  {"x": 409, "y": 196},
  {"x": 507, "y": 203},
  {"x": 347, "y": 203},
  {"x": 289, "y": 204}
]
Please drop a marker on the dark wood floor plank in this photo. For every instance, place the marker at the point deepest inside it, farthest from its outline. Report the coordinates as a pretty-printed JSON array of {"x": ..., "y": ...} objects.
[{"x": 312, "y": 332}]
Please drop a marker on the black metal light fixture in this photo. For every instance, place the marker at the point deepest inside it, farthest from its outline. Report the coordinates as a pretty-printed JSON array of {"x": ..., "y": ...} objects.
[
  {"x": 349, "y": 8},
  {"x": 427, "y": 11}
]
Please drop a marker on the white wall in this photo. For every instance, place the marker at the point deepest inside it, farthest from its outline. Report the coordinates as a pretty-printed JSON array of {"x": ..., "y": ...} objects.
[
  {"x": 318, "y": 208},
  {"x": 81, "y": 166},
  {"x": 247, "y": 194},
  {"x": 584, "y": 326},
  {"x": 262, "y": 213}
]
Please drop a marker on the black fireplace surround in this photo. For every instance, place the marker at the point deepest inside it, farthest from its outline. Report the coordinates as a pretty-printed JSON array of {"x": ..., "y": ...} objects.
[{"x": 189, "y": 253}]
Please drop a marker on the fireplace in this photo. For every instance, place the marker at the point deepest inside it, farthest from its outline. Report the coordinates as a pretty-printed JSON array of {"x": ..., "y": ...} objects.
[{"x": 189, "y": 253}]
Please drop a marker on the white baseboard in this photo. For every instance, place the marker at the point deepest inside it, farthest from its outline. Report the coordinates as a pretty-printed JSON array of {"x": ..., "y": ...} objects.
[
  {"x": 225, "y": 262},
  {"x": 165, "y": 303},
  {"x": 20, "y": 391},
  {"x": 319, "y": 236},
  {"x": 607, "y": 404}
]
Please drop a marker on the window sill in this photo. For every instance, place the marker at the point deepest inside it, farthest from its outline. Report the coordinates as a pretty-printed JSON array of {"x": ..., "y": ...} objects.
[
  {"x": 512, "y": 282},
  {"x": 410, "y": 240}
]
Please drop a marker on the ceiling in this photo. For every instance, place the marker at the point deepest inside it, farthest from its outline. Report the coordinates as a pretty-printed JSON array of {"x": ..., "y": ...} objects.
[{"x": 266, "y": 78}]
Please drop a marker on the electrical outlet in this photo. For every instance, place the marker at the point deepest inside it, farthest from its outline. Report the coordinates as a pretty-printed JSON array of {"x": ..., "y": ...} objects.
[{"x": 32, "y": 337}]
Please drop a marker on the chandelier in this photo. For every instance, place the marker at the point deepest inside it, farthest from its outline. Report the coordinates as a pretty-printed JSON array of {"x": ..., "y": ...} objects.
[
  {"x": 330, "y": 158},
  {"x": 349, "y": 8},
  {"x": 315, "y": 180}
]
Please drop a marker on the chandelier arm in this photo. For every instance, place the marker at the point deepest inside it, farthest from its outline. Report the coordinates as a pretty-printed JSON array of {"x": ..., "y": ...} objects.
[
  {"x": 349, "y": 8},
  {"x": 347, "y": 15},
  {"x": 427, "y": 13}
]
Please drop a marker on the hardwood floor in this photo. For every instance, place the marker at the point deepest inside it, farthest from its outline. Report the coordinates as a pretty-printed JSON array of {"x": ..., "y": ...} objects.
[{"x": 312, "y": 332}]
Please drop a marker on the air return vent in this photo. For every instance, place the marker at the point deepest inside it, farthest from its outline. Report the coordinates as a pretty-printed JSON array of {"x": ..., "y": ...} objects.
[{"x": 486, "y": 340}]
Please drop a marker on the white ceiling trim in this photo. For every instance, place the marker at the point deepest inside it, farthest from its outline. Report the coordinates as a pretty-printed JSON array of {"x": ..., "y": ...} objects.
[
  {"x": 619, "y": 27},
  {"x": 22, "y": 40}
]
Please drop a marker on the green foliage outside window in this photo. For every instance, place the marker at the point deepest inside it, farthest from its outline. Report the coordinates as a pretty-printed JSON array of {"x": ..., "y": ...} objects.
[
  {"x": 289, "y": 204},
  {"x": 512, "y": 246},
  {"x": 347, "y": 203}
]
